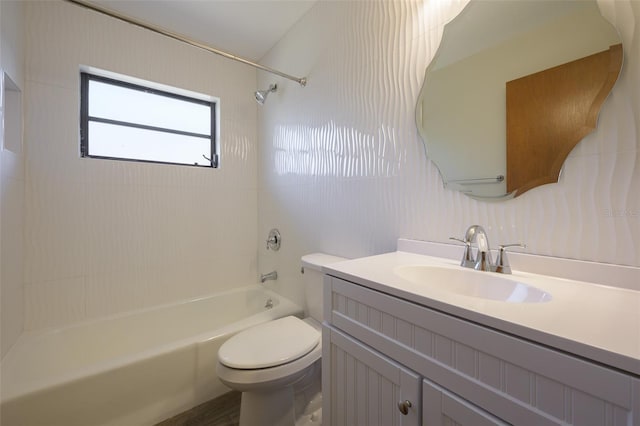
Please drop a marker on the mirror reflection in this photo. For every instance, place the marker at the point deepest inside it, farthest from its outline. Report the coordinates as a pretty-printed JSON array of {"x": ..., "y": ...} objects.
[{"x": 536, "y": 70}]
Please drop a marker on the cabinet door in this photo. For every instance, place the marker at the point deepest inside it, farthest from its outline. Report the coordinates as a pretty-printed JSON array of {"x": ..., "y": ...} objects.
[
  {"x": 442, "y": 408},
  {"x": 364, "y": 387}
]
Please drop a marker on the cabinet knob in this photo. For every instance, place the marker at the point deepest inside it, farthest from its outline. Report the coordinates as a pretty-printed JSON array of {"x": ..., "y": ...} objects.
[{"x": 404, "y": 406}]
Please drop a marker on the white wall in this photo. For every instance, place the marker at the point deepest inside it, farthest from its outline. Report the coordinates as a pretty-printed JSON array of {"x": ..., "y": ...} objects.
[
  {"x": 11, "y": 174},
  {"x": 103, "y": 237},
  {"x": 342, "y": 169}
]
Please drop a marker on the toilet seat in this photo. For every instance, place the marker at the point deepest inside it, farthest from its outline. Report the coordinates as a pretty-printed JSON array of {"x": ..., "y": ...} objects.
[
  {"x": 267, "y": 378},
  {"x": 270, "y": 344}
]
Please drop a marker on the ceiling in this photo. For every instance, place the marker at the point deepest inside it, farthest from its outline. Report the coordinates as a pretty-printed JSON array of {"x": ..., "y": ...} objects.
[{"x": 245, "y": 28}]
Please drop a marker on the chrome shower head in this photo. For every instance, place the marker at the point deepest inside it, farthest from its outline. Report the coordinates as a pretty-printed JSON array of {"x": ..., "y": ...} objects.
[{"x": 261, "y": 95}]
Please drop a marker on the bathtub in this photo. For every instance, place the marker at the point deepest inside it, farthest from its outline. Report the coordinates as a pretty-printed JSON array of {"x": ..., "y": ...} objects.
[{"x": 133, "y": 369}]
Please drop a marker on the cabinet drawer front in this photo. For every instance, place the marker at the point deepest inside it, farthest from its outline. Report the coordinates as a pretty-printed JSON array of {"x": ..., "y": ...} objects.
[
  {"x": 442, "y": 408},
  {"x": 521, "y": 382}
]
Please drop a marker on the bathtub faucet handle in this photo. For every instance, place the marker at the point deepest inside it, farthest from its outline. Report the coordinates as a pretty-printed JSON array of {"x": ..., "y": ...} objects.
[{"x": 274, "y": 240}]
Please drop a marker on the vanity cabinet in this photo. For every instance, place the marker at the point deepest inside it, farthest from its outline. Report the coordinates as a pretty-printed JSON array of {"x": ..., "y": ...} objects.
[
  {"x": 382, "y": 354},
  {"x": 441, "y": 407},
  {"x": 367, "y": 387}
]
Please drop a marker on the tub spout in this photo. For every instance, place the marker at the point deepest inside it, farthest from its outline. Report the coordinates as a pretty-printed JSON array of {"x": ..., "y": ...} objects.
[{"x": 270, "y": 276}]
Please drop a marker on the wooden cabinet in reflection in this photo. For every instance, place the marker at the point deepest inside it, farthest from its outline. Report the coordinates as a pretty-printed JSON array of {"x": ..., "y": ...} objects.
[{"x": 550, "y": 111}]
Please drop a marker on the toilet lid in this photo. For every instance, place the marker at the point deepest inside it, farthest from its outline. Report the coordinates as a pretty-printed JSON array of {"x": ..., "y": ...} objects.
[{"x": 269, "y": 344}]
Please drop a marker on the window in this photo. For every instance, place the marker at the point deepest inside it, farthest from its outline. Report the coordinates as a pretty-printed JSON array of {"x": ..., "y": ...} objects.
[{"x": 125, "y": 121}]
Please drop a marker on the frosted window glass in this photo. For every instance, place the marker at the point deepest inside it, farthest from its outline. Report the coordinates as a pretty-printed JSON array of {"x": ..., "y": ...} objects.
[
  {"x": 129, "y": 142},
  {"x": 150, "y": 109}
]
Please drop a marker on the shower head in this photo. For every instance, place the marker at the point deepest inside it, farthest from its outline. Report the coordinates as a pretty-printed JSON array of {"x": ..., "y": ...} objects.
[{"x": 261, "y": 95}]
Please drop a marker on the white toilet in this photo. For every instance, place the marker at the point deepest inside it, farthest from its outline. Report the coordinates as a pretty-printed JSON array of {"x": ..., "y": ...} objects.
[{"x": 276, "y": 363}]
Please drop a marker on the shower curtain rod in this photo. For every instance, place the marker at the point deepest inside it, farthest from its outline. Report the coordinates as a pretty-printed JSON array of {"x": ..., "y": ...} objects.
[{"x": 302, "y": 81}]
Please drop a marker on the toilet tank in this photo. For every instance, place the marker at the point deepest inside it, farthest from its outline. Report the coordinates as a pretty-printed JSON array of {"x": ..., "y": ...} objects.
[{"x": 312, "y": 276}]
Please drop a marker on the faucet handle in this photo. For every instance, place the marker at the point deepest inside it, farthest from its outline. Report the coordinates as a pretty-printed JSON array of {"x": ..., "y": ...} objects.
[
  {"x": 467, "y": 259},
  {"x": 502, "y": 262},
  {"x": 274, "y": 240}
]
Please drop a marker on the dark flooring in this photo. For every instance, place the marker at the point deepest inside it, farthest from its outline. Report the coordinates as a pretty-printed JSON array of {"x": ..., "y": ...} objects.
[{"x": 221, "y": 411}]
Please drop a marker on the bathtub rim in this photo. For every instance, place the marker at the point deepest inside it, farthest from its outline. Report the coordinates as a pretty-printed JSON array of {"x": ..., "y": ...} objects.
[{"x": 10, "y": 392}]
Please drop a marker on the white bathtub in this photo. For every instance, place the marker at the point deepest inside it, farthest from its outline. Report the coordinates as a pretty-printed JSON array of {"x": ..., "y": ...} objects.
[{"x": 133, "y": 369}]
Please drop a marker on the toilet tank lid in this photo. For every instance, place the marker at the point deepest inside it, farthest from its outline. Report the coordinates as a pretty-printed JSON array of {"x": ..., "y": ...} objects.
[{"x": 318, "y": 260}]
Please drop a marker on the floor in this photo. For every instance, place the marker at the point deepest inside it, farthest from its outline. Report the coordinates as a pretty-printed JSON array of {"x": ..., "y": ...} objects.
[
  {"x": 225, "y": 410},
  {"x": 222, "y": 411}
]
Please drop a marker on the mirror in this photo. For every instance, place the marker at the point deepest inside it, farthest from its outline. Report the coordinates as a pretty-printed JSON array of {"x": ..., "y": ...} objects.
[{"x": 535, "y": 70}]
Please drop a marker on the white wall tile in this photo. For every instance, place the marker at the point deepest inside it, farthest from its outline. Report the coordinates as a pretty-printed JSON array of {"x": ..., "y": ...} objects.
[
  {"x": 12, "y": 178},
  {"x": 54, "y": 239},
  {"x": 54, "y": 303},
  {"x": 13, "y": 49},
  {"x": 51, "y": 134},
  {"x": 53, "y": 50},
  {"x": 343, "y": 170},
  {"x": 340, "y": 168},
  {"x": 12, "y": 261},
  {"x": 136, "y": 234},
  {"x": 119, "y": 290}
]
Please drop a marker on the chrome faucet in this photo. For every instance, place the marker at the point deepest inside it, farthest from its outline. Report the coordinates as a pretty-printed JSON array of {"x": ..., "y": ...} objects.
[
  {"x": 502, "y": 262},
  {"x": 477, "y": 234},
  {"x": 467, "y": 257},
  {"x": 482, "y": 262},
  {"x": 273, "y": 275}
]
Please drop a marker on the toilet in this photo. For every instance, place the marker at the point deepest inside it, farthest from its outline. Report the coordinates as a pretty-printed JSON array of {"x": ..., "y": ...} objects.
[{"x": 276, "y": 365}]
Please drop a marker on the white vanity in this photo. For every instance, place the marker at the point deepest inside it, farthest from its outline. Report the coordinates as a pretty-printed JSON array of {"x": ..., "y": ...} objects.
[{"x": 400, "y": 350}]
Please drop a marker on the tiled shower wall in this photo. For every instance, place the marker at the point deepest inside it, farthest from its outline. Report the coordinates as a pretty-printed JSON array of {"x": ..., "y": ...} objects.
[
  {"x": 103, "y": 237},
  {"x": 12, "y": 178},
  {"x": 342, "y": 169}
]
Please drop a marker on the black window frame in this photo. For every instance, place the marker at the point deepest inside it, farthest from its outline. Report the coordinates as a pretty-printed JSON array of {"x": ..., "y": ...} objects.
[{"x": 86, "y": 77}]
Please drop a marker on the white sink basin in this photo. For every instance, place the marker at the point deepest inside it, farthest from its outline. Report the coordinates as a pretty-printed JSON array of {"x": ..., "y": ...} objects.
[{"x": 468, "y": 282}]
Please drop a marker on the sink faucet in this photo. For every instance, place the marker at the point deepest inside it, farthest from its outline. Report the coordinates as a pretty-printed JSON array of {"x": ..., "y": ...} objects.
[
  {"x": 273, "y": 275},
  {"x": 476, "y": 234}
]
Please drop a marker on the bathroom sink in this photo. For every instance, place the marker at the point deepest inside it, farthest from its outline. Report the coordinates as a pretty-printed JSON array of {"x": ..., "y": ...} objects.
[{"x": 468, "y": 282}]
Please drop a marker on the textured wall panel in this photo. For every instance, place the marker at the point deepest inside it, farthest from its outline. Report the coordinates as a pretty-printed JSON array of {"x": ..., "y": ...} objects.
[
  {"x": 12, "y": 249},
  {"x": 343, "y": 170},
  {"x": 103, "y": 237},
  {"x": 12, "y": 177}
]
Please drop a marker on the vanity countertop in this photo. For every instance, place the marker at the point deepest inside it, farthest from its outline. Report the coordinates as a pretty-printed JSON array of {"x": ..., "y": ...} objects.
[{"x": 597, "y": 322}]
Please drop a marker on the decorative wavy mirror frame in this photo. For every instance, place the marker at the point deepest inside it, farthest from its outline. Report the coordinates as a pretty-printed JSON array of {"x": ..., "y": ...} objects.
[{"x": 541, "y": 72}]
